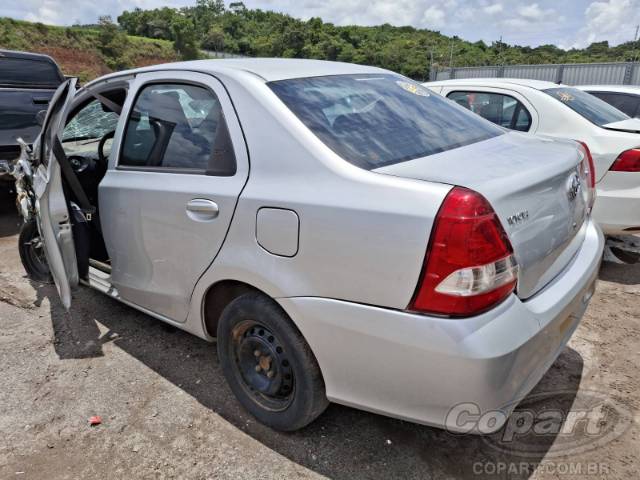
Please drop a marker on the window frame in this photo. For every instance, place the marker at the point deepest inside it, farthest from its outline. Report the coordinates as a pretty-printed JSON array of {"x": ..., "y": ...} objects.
[
  {"x": 519, "y": 103},
  {"x": 169, "y": 80},
  {"x": 82, "y": 97}
]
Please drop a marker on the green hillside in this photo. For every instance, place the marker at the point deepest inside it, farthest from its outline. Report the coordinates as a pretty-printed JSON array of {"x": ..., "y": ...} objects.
[
  {"x": 82, "y": 51},
  {"x": 144, "y": 37},
  {"x": 236, "y": 29}
]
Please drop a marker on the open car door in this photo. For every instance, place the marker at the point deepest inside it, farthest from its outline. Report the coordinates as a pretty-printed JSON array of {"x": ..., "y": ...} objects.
[{"x": 51, "y": 206}]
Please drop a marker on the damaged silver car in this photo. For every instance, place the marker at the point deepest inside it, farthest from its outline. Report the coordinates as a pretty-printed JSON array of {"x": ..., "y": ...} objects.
[{"x": 344, "y": 234}]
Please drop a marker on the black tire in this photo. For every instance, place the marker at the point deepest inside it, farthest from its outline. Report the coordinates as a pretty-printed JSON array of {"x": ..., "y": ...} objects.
[
  {"x": 32, "y": 253},
  {"x": 294, "y": 395}
]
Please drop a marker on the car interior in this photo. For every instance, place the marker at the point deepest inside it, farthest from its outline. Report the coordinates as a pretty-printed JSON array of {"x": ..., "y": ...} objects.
[{"x": 86, "y": 140}]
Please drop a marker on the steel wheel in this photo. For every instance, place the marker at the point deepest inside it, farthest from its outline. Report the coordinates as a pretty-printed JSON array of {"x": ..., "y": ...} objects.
[
  {"x": 262, "y": 365},
  {"x": 268, "y": 364}
]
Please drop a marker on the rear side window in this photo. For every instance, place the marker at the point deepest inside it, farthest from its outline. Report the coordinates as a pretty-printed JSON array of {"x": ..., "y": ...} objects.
[
  {"x": 503, "y": 110},
  {"x": 629, "y": 104},
  {"x": 585, "y": 104},
  {"x": 178, "y": 127},
  {"x": 377, "y": 120},
  {"x": 27, "y": 72}
]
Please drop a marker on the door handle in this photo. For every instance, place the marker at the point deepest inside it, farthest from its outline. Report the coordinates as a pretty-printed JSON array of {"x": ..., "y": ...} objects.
[{"x": 202, "y": 209}]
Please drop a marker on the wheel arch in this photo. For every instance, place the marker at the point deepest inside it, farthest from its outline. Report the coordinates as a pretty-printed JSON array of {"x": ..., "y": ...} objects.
[
  {"x": 217, "y": 297},
  {"x": 223, "y": 292}
]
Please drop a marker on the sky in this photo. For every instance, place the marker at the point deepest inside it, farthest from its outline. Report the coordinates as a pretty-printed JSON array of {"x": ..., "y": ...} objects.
[{"x": 565, "y": 23}]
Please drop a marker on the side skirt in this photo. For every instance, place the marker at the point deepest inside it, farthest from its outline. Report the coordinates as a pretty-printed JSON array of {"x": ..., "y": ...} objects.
[{"x": 101, "y": 281}]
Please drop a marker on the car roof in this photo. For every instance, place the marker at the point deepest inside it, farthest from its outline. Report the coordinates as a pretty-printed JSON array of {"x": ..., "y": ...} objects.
[
  {"x": 635, "y": 89},
  {"x": 268, "y": 69},
  {"x": 496, "y": 82},
  {"x": 26, "y": 55}
]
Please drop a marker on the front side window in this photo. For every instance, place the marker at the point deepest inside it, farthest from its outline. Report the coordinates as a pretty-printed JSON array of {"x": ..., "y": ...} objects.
[
  {"x": 629, "y": 104},
  {"x": 503, "y": 110},
  {"x": 176, "y": 126},
  {"x": 377, "y": 120},
  {"x": 588, "y": 106}
]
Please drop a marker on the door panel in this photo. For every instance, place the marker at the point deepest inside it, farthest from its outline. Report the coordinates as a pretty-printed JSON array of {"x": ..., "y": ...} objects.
[
  {"x": 164, "y": 221},
  {"x": 52, "y": 213}
]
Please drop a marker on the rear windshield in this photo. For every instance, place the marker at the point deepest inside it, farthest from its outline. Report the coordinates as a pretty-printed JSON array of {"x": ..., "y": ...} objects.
[
  {"x": 377, "y": 120},
  {"x": 27, "y": 72},
  {"x": 590, "y": 107}
]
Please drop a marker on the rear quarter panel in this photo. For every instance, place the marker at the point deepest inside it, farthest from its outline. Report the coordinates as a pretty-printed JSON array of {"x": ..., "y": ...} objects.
[{"x": 363, "y": 235}]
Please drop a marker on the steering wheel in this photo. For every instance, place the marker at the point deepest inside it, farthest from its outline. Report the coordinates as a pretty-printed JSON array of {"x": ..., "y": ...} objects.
[{"x": 103, "y": 140}]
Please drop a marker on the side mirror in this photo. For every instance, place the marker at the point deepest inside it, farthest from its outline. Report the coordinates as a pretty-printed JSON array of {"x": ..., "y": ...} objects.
[{"x": 40, "y": 116}]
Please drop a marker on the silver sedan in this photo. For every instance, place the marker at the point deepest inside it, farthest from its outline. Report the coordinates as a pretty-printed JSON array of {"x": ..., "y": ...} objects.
[{"x": 343, "y": 233}]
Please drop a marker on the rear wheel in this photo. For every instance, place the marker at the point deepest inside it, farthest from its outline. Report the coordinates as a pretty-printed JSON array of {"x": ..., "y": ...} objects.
[
  {"x": 268, "y": 364},
  {"x": 32, "y": 254}
]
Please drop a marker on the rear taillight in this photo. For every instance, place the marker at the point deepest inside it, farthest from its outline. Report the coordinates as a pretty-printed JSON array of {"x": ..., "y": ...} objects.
[
  {"x": 628, "y": 161},
  {"x": 469, "y": 266},
  {"x": 589, "y": 171}
]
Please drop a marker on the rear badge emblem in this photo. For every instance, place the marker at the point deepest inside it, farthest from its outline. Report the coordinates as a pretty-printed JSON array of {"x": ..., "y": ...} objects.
[
  {"x": 573, "y": 187},
  {"x": 518, "y": 218}
]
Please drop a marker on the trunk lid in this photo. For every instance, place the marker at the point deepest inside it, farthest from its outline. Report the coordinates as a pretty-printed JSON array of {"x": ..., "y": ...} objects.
[
  {"x": 534, "y": 185},
  {"x": 631, "y": 125}
]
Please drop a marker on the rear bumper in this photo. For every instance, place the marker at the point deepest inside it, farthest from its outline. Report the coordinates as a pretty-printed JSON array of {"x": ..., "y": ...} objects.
[
  {"x": 417, "y": 367},
  {"x": 617, "y": 207}
]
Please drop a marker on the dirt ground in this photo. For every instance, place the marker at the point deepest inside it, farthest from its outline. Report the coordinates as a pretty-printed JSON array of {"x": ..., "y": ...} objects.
[{"x": 168, "y": 413}]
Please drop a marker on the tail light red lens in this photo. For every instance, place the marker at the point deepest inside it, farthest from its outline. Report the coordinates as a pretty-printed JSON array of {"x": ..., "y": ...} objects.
[
  {"x": 589, "y": 164},
  {"x": 628, "y": 161},
  {"x": 588, "y": 168},
  {"x": 469, "y": 266}
]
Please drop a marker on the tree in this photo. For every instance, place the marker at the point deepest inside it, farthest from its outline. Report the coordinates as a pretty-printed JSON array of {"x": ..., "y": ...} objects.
[
  {"x": 204, "y": 14},
  {"x": 185, "y": 39},
  {"x": 214, "y": 40},
  {"x": 113, "y": 44}
]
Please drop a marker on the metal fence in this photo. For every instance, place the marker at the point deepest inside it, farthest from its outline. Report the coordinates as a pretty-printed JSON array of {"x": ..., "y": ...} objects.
[{"x": 567, "y": 73}]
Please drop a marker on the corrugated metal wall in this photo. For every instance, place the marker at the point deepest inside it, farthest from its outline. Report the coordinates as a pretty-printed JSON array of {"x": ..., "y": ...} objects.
[
  {"x": 635, "y": 77},
  {"x": 600, "y": 74},
  {"x": 569, "y": 74},
  {"x": 482, "y": 72},
  {"x": 536, "y": 72}
]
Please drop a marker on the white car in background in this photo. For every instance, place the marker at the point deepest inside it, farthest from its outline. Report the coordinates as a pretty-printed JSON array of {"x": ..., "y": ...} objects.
[
  {"x": 545, "y": 108},
  {"x": 625, "y": 98}
]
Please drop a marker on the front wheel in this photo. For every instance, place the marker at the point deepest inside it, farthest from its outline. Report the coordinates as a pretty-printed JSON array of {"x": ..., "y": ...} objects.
[
  {"x": 268, "y": 364},
  {"x": 32, "y": 254}
]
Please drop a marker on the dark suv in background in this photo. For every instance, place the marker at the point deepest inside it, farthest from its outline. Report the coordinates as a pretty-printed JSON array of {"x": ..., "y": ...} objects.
[{"x": 27, "y": 83}]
